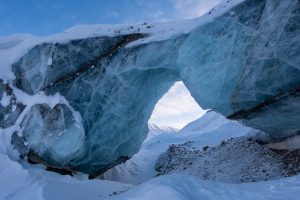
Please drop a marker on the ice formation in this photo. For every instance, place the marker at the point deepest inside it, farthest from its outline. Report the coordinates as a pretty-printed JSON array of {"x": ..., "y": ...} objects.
[{"x": 241, "y": 59}]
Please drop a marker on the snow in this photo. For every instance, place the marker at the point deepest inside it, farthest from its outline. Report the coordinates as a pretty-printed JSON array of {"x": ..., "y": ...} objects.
[
  {"x": 31, "y": 100},
  {"x": 236, "y": 160},
  {"x": 19, "y": 183},
  {"x": 182, "y": 187},
  {"x": 5, "y": 100},
  {"x": 11, "y": 49},
  {"x": 140, "y": 167},
  {"x": 208, "y": 122},
  {"x": 25, "y": 181},
  {"x": 155, "y": 129},
  {"x": 41, "y": 98},
  {"x": 185, "y": 187}
]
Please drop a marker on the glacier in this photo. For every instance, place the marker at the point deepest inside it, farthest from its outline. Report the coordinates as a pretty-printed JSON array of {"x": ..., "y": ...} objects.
[{"x": 241, "y": 60}]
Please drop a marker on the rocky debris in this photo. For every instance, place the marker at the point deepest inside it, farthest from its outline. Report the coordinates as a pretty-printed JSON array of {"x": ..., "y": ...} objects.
[
  {"x": 236, "y": 160},
  {"x": 10, "y": 109}
]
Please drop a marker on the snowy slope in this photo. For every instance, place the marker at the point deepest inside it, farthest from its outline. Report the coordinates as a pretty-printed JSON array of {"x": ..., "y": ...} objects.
[
  {"x": 180, "y": 187},
  {"x": 33, "y": 182},
  {"x": 211, "y": 130},
  {"x": 22, "y": 182},
  {"x": 155, "y": 129}
]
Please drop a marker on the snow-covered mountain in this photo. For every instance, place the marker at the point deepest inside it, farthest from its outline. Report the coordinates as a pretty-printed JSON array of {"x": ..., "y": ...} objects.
[{"x": 155, "y": 129}]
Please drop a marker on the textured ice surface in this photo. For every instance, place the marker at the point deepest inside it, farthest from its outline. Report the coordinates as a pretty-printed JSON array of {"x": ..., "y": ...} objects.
[
  {"x": 54, "y": 134},
  {"x": 270, "y": 118},
  {"x": 242, "y": 62}
]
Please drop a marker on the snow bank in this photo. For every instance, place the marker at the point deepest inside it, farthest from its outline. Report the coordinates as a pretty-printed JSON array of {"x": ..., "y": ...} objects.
[
  {"x": 182, "y": 187},
  {"x": 24, "y": 181}
]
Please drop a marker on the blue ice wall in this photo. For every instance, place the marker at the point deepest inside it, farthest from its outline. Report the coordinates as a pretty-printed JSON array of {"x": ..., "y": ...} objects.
[{"x": 245, "y": 65}]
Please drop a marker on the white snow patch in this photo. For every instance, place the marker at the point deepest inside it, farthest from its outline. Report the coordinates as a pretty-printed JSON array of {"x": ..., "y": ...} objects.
[
  {"x": 183, "y": 187},
  {"x": 20, "y": 182},
  {"x": 5, "y": 100},
  {"x": 14, "y": 107}
]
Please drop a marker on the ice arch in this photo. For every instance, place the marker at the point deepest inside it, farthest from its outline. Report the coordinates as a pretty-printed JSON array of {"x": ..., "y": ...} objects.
[{"x": 244, "y": 64}]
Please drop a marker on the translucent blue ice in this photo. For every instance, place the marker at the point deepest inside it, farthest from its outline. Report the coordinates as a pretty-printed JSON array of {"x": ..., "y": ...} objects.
[{"x": 245, "y": 64}]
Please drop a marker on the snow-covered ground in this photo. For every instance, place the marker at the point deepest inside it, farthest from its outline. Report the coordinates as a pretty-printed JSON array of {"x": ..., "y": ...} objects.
[
  {"x": 236, "y": 160},
  {"x": 181, "y": 187},
  {"x": 21, "y": 181},
  {"x": 136, "y": 179},
  {"x": 209, "y": 130}
]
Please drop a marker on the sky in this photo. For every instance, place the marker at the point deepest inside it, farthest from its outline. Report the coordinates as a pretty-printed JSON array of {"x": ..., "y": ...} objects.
[
  {"x": 176, "y": 108},
  {"x": 45, "y": 17}
]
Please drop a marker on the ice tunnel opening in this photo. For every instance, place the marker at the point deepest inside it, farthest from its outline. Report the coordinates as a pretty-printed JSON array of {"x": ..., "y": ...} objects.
[{"x": 175, "y": 109}]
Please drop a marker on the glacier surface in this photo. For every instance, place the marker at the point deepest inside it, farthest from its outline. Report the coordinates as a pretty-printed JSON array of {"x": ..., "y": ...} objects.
[{"x": 241, "y": 59}]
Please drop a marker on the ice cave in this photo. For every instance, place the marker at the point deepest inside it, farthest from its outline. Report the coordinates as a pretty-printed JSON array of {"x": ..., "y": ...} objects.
[
  {"x": 80, "y": 100},
  {"x": 244, "y": 65}
]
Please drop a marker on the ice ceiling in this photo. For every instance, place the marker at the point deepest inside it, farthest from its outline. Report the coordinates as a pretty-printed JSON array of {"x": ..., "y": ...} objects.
[{"x": 244, "y": 64}]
